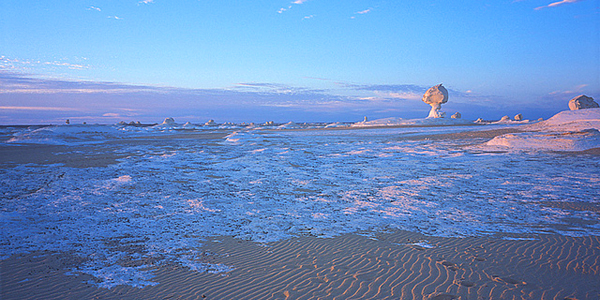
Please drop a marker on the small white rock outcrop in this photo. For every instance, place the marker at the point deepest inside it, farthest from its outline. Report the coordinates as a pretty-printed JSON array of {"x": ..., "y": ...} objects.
[
  {"x": 582, "y": 102},
  {"x": 518, "y": 117},
  {"x": 456, "y": 115},
  {"x": 168, "y": 121}
]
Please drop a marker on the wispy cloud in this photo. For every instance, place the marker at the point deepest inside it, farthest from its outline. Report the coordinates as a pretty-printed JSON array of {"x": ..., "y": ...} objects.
[
  {"x": 146, "y": 1},
  {"x": 283, "y": 9},
  {"x": 16, "y": 64},
  {"x": 37, "y": 108},
  {"x": 558, "y": 3},
  {"x": 362, "y": 12},
  {"x": 388, "y": 87},
  {"x": 114, "y": 17},
  {"x": 308, "y": 17},
  {"x": 276, "y": 88},
  {"x": 94, "y": 8},
  {"x": 16, "y": 83},
  {"x": 575, "y": 90}
]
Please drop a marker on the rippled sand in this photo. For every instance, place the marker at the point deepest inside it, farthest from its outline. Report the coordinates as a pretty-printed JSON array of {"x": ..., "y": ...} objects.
[{"x": 396, "y": 265}]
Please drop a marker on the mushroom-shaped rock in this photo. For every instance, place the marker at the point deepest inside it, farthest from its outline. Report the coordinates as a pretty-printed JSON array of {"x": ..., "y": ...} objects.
[
  {"x": 436, "y": 96},
  {"x": 518, "y": 117},
  {"x": 455, "y": 116},
  {"x": 582, "y": 102}
]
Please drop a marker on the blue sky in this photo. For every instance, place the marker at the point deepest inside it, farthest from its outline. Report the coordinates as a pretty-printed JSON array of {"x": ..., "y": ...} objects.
[{"x": 305, "y": 60}]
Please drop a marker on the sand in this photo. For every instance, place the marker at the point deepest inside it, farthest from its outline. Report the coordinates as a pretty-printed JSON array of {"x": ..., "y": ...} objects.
[
  {"x": 391, "y": 265},
  {"x": 69, "y": 156},
  {"x": 85, "y": 156}
]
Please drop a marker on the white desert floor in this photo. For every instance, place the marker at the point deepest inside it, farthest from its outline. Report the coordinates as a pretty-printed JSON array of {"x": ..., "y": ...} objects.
[{"x": 128, "y": 200}]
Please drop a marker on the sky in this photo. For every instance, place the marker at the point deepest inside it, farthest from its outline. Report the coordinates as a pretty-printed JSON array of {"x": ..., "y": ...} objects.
[{"x": 105, "y": 61}]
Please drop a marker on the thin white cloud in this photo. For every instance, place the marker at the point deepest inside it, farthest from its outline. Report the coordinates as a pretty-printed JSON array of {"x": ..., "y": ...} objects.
[
  {"x": 558, "y": 3},
  {"x": 32, "y": 90},
  {"x": 386, "y": 95},
  {"x": 308, "y": 17},
  {"x": 36, "y": 108},
  {"x": 362, "y": 12},
  {"x": 64, "y": 64},
  {"x": 114, "y": 17},
  {"x": 576, "y": 90},
  {"x": 146, "y": 1},
  {"x": 94, "y": 8},
  {"x": 281, "y": 10},
  {"x": 7, "y": 63}
]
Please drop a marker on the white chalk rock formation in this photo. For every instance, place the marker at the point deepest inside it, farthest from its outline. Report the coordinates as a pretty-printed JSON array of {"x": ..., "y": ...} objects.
[
  {"x": 518, "y": 117},
  {"x": 436, "y": 96},
  {"x": 168, "y": 121},
  {"x": 455, "y": 116},
  {"x": 582, "y": 102},
  {"x": 504, "y": 119},
  {"x": 210, "y": 122}
]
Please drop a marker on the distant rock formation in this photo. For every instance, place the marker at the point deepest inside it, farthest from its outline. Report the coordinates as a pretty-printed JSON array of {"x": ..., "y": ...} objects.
[
  {"x": 436, "y": 96},
  {"x": 518, "y": 117},
  {"x": 505, "y": 118},
  {"x": 582, "y": 102},
  {"x": 210, "y": 122},
  {"x": 455, "y": 116},
  {"x": 168, "y": 121}
]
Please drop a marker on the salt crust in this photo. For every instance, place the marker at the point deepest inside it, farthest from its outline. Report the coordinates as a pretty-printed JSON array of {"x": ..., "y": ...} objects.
[
  {"x": 572, "y": 130},
  {"x": 158, "y": 206}
]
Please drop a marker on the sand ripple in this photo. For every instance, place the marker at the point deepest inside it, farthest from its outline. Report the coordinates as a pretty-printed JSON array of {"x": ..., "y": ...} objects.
[{"x": 385, "y": 266}]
